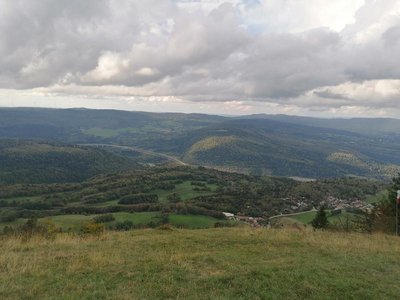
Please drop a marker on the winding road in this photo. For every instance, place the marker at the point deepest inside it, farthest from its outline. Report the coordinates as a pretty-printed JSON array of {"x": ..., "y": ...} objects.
[
  {"x": 144, "y": 151},
  {"x": 292, "y": 214}
]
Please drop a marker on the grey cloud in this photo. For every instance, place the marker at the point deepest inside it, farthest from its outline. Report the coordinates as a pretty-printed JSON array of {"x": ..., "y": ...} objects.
[{"x": 160, "y": 49}]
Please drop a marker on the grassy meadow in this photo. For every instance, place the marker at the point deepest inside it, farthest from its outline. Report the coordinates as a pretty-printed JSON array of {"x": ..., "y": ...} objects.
[
  {"x": 307, "y": 217},
  {"x": 73, "y": 223},
  {"x": 228, "y": 263}
]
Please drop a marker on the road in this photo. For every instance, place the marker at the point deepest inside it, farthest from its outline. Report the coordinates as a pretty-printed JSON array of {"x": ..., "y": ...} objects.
[
  {"x": 292, "y": 214},
  {"x": 144, "y": 151}
]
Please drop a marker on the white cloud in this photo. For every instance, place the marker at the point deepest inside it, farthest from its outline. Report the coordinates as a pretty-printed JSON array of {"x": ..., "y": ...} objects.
[{"x": 326, "y": 56}]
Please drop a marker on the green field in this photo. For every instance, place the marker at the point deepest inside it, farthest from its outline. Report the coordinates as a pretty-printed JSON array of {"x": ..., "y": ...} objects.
[
  {"x": 185, "y": 190},
  {"x": 191, "y": 221},
  {"x": 72, "y": 223},
  {"x": 307, "y": 217},
  {"x": 377, "y": 197},
  {"x": 238, "y": 263}
]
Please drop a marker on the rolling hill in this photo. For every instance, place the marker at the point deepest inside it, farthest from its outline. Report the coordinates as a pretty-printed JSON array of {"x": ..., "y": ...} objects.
[
  {"x": 262, "y": 146},
  {"x": 25, "y": 161},
  {"x": 257, "y": 144}
]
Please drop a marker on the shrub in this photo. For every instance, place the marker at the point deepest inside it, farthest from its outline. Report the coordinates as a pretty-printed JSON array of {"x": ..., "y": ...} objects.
[
  {"x": 93, "y": 228},
  {"x": 8, "y": 216},
  {"x": 164, "y": 218},
  {"x": 104, "y": 218},
  {"x": 124, "y": 226},
  {"x": 165, "y": 186},
  {"x": 198, "y": 183},
  {"x": 31, "y": 228},
  {"x": 165, "y": 227},
  {"x": 139, "y": 198},
  {"x": 174, "y": 197},
  {"x": 223, "y": 224}
]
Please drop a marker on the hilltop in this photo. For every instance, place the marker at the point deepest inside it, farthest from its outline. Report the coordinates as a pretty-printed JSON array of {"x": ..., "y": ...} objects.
[{"x": 237, "y": 263}]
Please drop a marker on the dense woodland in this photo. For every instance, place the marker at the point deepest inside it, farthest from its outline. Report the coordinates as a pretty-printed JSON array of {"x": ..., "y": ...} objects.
[{"x": 25, "y": 161}]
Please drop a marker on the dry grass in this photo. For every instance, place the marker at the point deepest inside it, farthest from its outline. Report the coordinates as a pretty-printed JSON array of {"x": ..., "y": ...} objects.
[{"x": 202, "y": 264}]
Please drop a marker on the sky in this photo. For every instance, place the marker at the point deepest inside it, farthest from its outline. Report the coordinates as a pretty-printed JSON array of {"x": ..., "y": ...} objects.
[{"x": 320, "y": 58}]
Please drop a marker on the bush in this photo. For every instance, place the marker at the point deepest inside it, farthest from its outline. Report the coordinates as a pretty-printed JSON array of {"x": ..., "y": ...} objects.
[
  {"x": 167, "y": 186},
  {"x": 104, "y": 218},
  {"x": 164, "y": 218},
  {"x": 8, "y": 216},
  {"x": 93, "y": 228},
  {"x": 139, "y": 198},
  {"x": 32, "y": 228},
  {"x": 223, "y": 224},
  {"x": 124, "y": 226},
  {"x": 165, "y": 227},
  {"x": 174, "y": 197},
  {"x": 198, "y": 183}
]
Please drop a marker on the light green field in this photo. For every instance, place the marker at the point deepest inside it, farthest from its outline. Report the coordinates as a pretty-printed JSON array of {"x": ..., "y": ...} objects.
[
  {"x": 307, "y": 217},
  {"x": 69, "y": 222},
  {"x": 192, "y": 221},
  {"x": 229, "y": 263},
  {"x": 185, "y": 190},
  {"x": 377, "y": 197}
]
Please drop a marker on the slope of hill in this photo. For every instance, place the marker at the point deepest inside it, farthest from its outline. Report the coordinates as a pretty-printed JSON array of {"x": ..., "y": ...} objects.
[
  {"x": 260, "y": 144},
  {"x": 24, "y": 161},
  {"x": 365, "y": 126},
  {"x": 175, "y": 190},
  {"x": 86, "y": 125},
  {"x": 203, "y": 264}
]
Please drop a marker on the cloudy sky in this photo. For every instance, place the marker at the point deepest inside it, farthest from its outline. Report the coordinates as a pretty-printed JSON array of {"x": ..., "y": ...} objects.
[{"x": 307, "y": 57}]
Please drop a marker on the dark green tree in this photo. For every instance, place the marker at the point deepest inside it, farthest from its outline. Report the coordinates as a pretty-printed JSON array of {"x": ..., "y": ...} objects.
[
  {"x": 386, "y": 208},
  {"x": 320, "y": 221},
  {"x": 174, "y": 197}
]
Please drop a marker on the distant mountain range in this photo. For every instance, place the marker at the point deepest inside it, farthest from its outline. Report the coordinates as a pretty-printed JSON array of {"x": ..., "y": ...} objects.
[{"x": 257, "y": 144}]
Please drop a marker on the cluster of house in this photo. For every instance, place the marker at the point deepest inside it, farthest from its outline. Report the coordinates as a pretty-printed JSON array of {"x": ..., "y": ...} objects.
[
  {"x": 300, "y": 206},
  {"x": 252, "y": 221},
  {"x": 333, "y": 203},
  {"x": 339, "y": 204}
]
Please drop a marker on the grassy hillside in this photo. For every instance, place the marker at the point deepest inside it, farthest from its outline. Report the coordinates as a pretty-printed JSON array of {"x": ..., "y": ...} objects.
[
  {"x": 24, "y": 161},
  {"x": 203, "y": 264}
]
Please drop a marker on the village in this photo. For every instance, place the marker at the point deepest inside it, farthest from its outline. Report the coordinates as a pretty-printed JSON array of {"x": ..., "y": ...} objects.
[{"x": 334, "y": 204}]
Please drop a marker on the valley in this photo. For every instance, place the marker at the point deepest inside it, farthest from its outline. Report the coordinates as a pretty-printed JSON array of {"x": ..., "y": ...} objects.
[{"x": 257, "y": 145}]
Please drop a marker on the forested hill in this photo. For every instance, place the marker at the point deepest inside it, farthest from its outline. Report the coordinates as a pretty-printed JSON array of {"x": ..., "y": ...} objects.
[
  {"x": 258, "y": 144},
  {"x": 39, "y": 162},
  {"x": 365, "y": 126},
  {"x": 263, "y": 146}
]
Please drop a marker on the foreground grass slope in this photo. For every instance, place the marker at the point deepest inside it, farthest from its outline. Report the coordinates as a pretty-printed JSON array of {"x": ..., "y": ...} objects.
[{"x": 234, "y": 263}]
